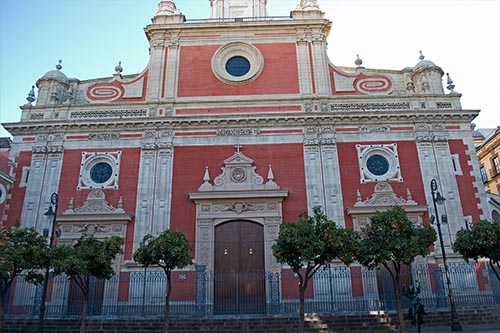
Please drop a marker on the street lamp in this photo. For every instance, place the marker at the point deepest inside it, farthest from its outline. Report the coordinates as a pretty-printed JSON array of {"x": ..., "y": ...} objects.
[
  {"x": 438, "y": 199},
  {"x": 50, "y": 213}
]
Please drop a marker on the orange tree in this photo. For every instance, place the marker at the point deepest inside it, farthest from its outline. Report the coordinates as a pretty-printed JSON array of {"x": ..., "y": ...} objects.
[
  {"x": 21, "y": 250},
  {"x": 88, "y": 258},
  {"x": 170, "y": 250},
  {"x": 311, "y": 243},
  {"x": 482, "y": 240},
  {"x": 391, "y": 240}
]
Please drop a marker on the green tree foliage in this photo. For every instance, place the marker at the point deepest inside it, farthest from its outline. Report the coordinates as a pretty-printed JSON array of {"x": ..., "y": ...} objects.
[
  {"x": 170, "y": 250},
  {"x": 482, "y": 240},
  {"x": 391, "y": 240},
  {"x": 311, "y": 243},
  {"x": 21, "y": 250},
  {"x": 88, "y": 258}
]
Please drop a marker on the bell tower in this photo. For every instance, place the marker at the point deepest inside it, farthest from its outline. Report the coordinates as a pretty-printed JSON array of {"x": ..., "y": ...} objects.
[{"x": 238, "y": 8}]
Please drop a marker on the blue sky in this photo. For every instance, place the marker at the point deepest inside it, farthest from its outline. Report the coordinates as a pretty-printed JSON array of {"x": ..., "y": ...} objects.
[{"x": 91, "y": 36}]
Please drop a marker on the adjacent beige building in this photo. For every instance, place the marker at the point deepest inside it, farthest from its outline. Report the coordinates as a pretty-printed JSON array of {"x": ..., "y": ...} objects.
[{"x": 488, "y": 155}]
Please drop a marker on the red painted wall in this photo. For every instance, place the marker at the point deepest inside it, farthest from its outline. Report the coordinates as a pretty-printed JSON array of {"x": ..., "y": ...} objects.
[
  {"x": 465, "y": 183},
  {"x": 290, "y": 285},
  {"x": 129, "y": 173},
  {"x": 16, "y": 202},
  {"x": 189, "y": 167},
  {"x": 357, "y": 281},
  {"x": 350, "y": 177},
  {"x": 279, "y": 76}
]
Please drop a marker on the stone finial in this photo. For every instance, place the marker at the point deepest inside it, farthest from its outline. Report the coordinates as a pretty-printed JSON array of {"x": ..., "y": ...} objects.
[
  {"x": 450, "y": 86},
  {"x": 409, "y": 196},
  {"x": 71, "y": 204},
  {"x": 270, "y": 174},
  {"x": 167, "y": 8},
  {"x": 358, "y": 196},
  {"x": 119, "y": 68},
  {"x": 358, "y": 61},
  {"x": 31, "y": 96},
  {"x": 59, "y": 66},
  {"x": 270, "y": 178},
  {"x": 309, "y": 5},
  {"x": 206, "y": 176},
  {"x": 422, "y": 57},
  {"x": 206, "y": 186}
]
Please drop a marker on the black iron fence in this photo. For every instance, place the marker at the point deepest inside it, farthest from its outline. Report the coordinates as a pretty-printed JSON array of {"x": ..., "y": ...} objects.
[{"x": 334, "y": 290}]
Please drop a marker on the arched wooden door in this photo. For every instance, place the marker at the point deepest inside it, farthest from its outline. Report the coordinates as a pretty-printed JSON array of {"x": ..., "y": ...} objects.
[{"x": 240, "y": 279}]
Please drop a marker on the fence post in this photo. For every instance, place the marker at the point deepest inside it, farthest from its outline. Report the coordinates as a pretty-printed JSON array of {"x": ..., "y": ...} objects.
[
  {"x": 275, "y": 294},
  {"x": 201, "y": 295},
  {"x": 143, "y": 305}
]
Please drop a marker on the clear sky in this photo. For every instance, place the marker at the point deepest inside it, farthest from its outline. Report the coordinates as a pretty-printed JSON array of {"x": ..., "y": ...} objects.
[{"x": 91, "y": 36}]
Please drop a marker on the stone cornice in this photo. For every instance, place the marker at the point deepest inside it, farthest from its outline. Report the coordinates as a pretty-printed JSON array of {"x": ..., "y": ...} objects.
[
  {"x": 153, "y": 31},
  {"x": 341, "y": 118}
]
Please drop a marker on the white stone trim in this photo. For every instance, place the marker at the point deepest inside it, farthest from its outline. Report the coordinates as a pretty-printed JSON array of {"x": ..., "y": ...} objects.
[
  {"x": 91, "y": 159},
  {"x": 390, "y": 152}
]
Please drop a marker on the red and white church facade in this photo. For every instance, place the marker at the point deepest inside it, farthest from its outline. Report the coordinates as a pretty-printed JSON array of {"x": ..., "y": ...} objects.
[{"x": 239, "y": 123}]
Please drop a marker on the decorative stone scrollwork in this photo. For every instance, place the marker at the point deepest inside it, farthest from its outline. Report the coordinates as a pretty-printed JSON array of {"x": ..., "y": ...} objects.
[
  {"x": 383, "y": 195},
  {"x": 369, "y": 106},
  {"x": 375, "y": 128},
  {"x": 132, "y": 113},
  {"x": 36, "y": 116},
  {"x": 49, "y": 137},
  {"x": 238, "y": 132},
  {"x": 239, "y": 207},
  {"x": 47, "y": 149},
  {"x": 104, "y": 136}
]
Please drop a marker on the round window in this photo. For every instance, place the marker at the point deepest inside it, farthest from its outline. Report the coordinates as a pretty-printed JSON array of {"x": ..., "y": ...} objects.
[
  {"x": 378, "y": 165},
  {"x": 238, "y": 66},
  {"x": 237, "y": 63},
  {"x": 101, "y": 172}
]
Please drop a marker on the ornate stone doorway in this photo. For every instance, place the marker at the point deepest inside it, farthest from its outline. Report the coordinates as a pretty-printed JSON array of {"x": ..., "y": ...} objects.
[{"x": 234, "y": 215}]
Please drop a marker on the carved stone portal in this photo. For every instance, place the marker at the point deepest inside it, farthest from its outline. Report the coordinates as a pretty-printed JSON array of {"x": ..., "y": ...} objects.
[{"x": 237, "y": 193}]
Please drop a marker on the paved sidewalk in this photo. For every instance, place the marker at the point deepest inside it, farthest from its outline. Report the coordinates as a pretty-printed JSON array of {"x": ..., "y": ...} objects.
[{"x": 469, "y": 329}]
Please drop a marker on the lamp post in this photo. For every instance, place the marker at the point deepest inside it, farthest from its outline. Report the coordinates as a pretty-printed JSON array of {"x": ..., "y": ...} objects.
[
  {"x": 50, "y": 213},
  {"x": 438, "y": 199}
]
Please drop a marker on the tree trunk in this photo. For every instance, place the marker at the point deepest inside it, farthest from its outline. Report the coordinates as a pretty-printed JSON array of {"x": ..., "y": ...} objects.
[
  {"x": 399, "y": 306},
  {"x": 302, "y": 292},
  {"x": 85, "y": 305},
  {"x": 2, "y": 302},
  {"x": 166, "y": 324}
]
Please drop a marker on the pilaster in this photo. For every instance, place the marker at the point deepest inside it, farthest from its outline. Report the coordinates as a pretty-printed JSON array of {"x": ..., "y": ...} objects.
[
  {"x": 154, "y": 187},
  {"x": 436, "y": 163},
  {"x": 43, "y": 180}
]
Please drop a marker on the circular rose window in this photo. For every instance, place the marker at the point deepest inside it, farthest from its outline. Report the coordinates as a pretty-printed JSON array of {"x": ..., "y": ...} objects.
[
  {"x": 377, "y": 165},
  {"x": 101, "y": 172}
]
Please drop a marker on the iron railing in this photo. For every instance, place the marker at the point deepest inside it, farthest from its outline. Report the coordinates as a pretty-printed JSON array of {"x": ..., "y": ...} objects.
[{"x": 141, "y": 294}]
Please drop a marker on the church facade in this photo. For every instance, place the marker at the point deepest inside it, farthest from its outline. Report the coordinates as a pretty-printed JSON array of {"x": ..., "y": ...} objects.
[{"x": 238, "y": 124}]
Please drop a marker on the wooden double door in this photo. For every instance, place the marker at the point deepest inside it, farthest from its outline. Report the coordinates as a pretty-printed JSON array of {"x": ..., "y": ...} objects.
[{"x": 240, "y": 277}]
